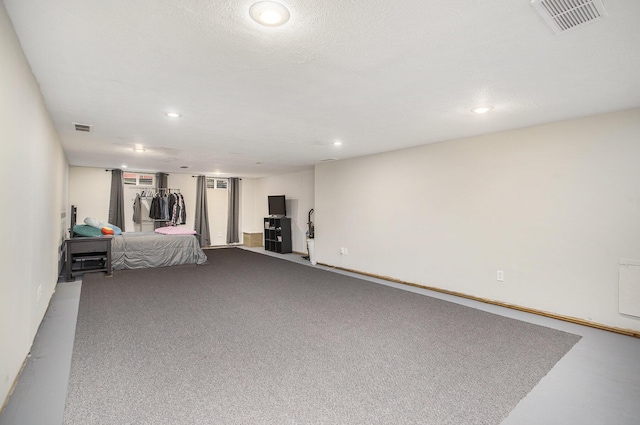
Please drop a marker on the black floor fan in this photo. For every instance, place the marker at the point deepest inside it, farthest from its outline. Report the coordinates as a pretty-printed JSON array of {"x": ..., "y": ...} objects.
[{"x": 310, "y": 233}]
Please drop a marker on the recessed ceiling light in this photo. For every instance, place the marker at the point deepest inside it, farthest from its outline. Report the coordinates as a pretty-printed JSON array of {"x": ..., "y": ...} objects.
[
  {"x": 337, "y": 143},
  {"x": 123, "y": 166},
  {"x": 269, "y": 13},
  {"x": 173, "y": 115},
  {"x": 139, "y": 148},
  {"x": 482, "y": 109}
]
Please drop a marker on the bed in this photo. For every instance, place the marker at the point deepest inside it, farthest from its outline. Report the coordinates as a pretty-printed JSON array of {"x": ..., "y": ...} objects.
[{"x": 137, "y": 250}]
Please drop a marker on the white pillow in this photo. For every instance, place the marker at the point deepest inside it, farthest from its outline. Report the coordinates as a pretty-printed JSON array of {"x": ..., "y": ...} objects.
[
  {"x": 99, "y": 225},
  {"x": 93, "y": 222}
]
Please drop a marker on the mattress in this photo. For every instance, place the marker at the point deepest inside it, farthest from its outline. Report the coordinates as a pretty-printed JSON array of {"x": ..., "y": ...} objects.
[{"x": 138, "y": 250}]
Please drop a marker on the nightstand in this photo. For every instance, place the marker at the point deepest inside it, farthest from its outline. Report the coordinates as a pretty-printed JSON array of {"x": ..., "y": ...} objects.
[{"x": 86, "y": 255}]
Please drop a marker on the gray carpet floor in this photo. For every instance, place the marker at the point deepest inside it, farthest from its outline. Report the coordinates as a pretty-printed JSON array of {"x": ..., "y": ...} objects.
[{"x": 252, "y": 339}]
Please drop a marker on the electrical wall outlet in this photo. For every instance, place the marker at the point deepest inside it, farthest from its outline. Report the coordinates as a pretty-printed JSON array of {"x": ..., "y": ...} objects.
[
  {"x": 500, "y": 276},
  {"x": 344, "y": 251}
]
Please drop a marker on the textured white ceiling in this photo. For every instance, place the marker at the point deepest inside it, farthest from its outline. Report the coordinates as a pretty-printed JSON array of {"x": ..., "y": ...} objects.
[{"x": 257, "y": 101}]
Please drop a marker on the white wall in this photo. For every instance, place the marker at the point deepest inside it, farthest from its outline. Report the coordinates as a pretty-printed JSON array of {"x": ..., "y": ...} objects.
[
  {"x": 34, "y": 174},
  {"x": 89, "y": 191},
  {"x": 187, "y": 186},
  {"x": 249, "y": 219},
  {"x": 218, "y": 210},
  {"x": 555, "y": 207},
  {"x": 298, "y": 189}
]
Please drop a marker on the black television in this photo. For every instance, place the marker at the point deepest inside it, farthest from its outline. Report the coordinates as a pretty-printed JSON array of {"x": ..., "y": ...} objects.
[{"x": 277, "y": 205}]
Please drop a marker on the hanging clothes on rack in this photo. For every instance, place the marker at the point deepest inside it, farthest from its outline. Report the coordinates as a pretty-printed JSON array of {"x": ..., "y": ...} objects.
[
  {"x": 173, "y": 209},
  {"x": 155, "y": 211},
  {"x": 172, "y": 201},
  {"x": 183, "y": 211},
  {"x": 165, "y": 207},
  {"x": 137, "y": 209}
]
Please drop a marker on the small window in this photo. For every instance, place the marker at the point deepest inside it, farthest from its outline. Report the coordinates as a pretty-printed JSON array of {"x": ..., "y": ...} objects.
[
  {"x": 145, "y": 180},
  {"x": 135, "y": 179},
  {"x": 213, "y": 183},
  {"x": 130, "y": 178}
]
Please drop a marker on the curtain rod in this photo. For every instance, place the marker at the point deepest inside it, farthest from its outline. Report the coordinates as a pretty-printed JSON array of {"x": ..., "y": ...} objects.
[
  {"x": 218, "y": 177},
  {"x": 151, "y": 172},
  {"x": 139, "y": 172},
  {"x": 151, "y": 188}
]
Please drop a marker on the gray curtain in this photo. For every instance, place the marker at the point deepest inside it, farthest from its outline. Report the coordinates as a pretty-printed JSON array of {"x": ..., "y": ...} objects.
[
  {"x": 161, "y": 183},
  {"x": 161, "y": 180},
  {"x": 202, "y": 218},
  {"x": 234, "y": 206},
  {"x": 116, "y": 200}
]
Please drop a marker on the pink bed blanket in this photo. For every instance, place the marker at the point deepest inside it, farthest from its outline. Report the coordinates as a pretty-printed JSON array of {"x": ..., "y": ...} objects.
[{"x": 171, "y": 230}]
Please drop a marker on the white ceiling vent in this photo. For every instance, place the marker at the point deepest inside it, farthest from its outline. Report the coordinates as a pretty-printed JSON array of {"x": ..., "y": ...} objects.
[
  {"x": 82, "y": 127},
  {"x": 564, "y": 15}
]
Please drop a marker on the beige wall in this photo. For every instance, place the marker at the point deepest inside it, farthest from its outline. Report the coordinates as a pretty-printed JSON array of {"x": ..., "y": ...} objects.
[
  {"x": 187, "y": 186},
  {"x": 218, "y": 210},
  {"x": 555, "y": 207},
  {"x": 89, "y": 190},
  {"x": 34, "y": 174},
  {"x": 298, "y": 189},
  {"x": 249, "y": 216}
]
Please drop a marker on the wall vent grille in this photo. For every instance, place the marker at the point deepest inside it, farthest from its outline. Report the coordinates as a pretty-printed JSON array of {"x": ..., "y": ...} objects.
[
  {"x": 564, "y": 15},
  {"x": 82, "y": 127}
]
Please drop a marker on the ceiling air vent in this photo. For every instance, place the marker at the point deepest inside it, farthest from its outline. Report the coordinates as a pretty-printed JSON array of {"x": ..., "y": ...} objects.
[
  {"x": 564, "y": 15},
  {"x": 82, "y": 127}
]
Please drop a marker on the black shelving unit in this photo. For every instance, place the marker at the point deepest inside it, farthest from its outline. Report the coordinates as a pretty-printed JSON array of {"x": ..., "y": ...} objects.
[{"x": 277, "y": 234}]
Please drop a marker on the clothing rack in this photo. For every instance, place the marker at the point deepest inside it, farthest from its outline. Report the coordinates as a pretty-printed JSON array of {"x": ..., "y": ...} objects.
[
  {"x": 150, "y": 192},
  {"x": 157, "y": 205}
]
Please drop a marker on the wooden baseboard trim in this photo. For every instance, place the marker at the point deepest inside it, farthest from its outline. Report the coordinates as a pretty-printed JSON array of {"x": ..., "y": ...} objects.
[{"x": 623, "y": 331}]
